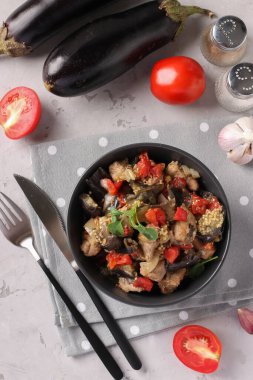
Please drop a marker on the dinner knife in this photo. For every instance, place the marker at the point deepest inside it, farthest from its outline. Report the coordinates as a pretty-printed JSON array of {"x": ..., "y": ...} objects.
[{"x": 51, "y": 219}]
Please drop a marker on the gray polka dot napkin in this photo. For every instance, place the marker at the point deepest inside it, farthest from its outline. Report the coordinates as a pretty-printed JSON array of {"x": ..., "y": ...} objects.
[{"x": 57, "y": 168}]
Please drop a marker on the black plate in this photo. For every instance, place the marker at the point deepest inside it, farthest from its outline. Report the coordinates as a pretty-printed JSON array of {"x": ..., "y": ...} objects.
[{"x": 159, "y": 153}]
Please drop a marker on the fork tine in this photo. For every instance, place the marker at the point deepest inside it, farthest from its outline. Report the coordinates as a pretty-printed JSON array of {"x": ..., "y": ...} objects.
[
  {"x": 18, "y": 211},
  {"x": 3, "y": 227}
]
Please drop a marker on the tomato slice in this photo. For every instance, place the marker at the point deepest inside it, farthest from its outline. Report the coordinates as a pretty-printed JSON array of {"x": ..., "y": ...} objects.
[
  {"x": 20, "y": 111},
  {"x": 143, "y": 165},
  {"x": 111, "y": 187},
  {"x": 144, "y": 283},
  {"x": 198, "y": 348},
  {"x": 181, "y": 215},
  {"x": 171, "y": 254},
  {"x": 156, "y": 216},
  {"x": 116, "y": 259},
  {"x": 179, "y": 183}
]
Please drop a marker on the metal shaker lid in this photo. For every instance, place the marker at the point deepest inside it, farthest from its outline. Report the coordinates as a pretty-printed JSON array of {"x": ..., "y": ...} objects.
[
  {"x": 240, "y": 80},
  {"x": 229, "y": 32}
]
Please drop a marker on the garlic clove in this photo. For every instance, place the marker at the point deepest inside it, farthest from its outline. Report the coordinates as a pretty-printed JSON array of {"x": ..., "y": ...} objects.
[
  {"x": 245, "y": 123},
  {"x": 246, "y": 319},
  {"x": 241, "y": 154},
  {"x": 230, "y": 137}
]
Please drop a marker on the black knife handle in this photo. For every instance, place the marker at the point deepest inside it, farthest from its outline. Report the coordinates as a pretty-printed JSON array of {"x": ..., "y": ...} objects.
[
  {"x": 91, "y": 336},
  {"x": 116, "y": 331}
]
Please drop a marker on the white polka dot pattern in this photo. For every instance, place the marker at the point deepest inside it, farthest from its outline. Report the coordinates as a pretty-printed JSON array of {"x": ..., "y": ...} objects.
[
  {"x": 52, "y": 150},
  {"x": 204, "y": 127},
  {"x": 244, "y": 201},
  {"x": 135, "y": 330},
  {"x": 103, "y": 142},
  {"x": 183, "y": 315},
  {"x": 232, "y": 283},
  {"x": 80, "y": 171},
  {"x": 153, "y": 134},
  {"x": 60, "y": 202},
  {"x": 44, "y": 232},
  {"x": 81, "y": 307},
  {"x": 85, "y": 345},
  {"x": 251, "y": 253}
]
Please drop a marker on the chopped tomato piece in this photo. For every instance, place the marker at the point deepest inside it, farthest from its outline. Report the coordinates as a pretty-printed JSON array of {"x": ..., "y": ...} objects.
[
  {"x": 198, "y": 348},
  {"x": 186, "y": 247},
  {"x": 144, "y": 283},
  {"x": 110, "y": 186},
  {"x": 156, "y": 216},
  {"x": 180, "y": 215},
  {"x": 157, "y": 170},
  {"x": 209, "y": 246},
  {"x": 198, "y": 204},
  {"x": 178, "y": 182},
  {"x": 171, "y": 254},
  {"x": 116, "y": 259},
  {"x": 213, "y": 203},
  {"x": 143, "y": 165},
  {"x": 122, "y": 200}
]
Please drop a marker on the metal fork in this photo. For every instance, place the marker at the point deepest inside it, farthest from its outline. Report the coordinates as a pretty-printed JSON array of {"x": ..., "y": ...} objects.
[{"x": 17, "y": 229}]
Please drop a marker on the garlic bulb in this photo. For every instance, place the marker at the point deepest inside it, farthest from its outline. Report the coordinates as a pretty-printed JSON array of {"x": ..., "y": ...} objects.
[{"x": 237, "y": 140}]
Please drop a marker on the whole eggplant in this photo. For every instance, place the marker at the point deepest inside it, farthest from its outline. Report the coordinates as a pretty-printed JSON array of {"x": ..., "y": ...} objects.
[
  {"x": 36, "y": 20},
  {"x": 106, "y": 48}
]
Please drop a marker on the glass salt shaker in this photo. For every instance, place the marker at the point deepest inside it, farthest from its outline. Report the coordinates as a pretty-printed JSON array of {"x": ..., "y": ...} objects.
[
  {"x": 234, "y": 89},
  {"x": 224, "y": 43}
]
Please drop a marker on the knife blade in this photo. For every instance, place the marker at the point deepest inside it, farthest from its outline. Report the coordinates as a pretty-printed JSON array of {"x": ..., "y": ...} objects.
[{"x": 51, "y": 219}]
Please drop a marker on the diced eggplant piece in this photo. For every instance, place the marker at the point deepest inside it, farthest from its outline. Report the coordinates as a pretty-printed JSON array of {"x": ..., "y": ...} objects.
[
  {"x": 139, "y": 188},
  {"x": 179, "y": 196},
  {"x": 148, "y": 246},
  {"x": 90, "y": 246},
  {"x": 131, "y": 245},
  {"x": 210, "y": 225},
  {"x": 126, "y": 271},
  {"x": 206, "y": 250},
  {"x": 112, "y": 243},
  {"x": 94, "y": 183},
  {"x": 155, "y": 269},
  {"x": 90, "y": 206},
  {"x": 171, "y": 282},
  {"x": 121, "y": 171},
  {"x": 127, "y": 286},
  {"x": 168, "y": 205},
  {"x": 186, "y": 261}
]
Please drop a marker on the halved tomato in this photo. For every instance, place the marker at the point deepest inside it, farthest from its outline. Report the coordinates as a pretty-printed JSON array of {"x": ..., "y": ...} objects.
[
  {"x": 198, "y": 348},
  {"x": 20, "y": 111}
]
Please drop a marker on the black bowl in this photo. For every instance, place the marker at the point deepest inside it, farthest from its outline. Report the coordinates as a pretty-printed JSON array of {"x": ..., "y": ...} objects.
[{"x": 159, "y": 153}]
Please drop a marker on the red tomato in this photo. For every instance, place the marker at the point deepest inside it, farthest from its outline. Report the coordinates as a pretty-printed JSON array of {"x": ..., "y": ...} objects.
[
  {"x": 156, "y": 216},
  {"x": 198, "y": 348},
  {"x": 116, "y": 259},
  {"x": 171, "y": 254},
  {"x": 20, "y": 112},
  {"x": 178, "y": 80},
  {"x": 144, "y": 283},
  {"x": 213, "y": 203},
  {"x": 180, "y": 215},
  {"x": 157, "y": 170},
  {"x": 111, "y": 187},
  {"x": 178, "y": 182},
  {"x": 198, "y": 205},
  {"x": 143, "y": 165}
]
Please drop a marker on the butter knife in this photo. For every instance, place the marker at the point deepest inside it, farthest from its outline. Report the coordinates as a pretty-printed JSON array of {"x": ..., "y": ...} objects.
[{"x": 51, "y": 219}]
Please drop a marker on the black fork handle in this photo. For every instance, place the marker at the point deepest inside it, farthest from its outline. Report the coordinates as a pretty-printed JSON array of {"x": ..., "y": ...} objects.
[
  {"x": 114, "y": 328},
  {"x": 98, "y": 346}
]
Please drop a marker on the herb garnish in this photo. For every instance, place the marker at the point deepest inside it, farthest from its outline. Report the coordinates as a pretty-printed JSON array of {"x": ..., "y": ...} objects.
[
  {"x": 199, "y": 268},
  {"x": 116, "y": 226}
]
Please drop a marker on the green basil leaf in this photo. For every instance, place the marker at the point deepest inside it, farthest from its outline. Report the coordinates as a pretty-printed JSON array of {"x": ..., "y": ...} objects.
[
  {"x": 116, "y": 228},
  {"x": 199, "y": 268}
]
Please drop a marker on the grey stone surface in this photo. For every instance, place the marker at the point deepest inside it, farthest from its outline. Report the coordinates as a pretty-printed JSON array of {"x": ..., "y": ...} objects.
[{"x": 30, "y": 347}]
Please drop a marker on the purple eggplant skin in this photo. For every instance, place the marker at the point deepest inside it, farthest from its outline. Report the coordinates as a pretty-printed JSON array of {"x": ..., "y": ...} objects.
[
  {"x": 36, "y": 20},
  {"x": 104, "y": 49}
]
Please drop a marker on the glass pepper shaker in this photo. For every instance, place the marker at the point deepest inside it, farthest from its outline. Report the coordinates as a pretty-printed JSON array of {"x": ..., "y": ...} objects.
[
  {"x": 224, "y": 43},
  {"x": 234, "y": 89}
]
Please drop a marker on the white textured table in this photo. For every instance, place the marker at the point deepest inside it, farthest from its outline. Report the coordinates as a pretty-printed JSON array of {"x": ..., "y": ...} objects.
[{"x": 30, "y": 347}]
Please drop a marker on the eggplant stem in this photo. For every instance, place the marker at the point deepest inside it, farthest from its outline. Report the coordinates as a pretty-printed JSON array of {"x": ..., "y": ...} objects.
[
  {"x": 179, "y": 13},
  {"x": 9, "y": 46}
]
